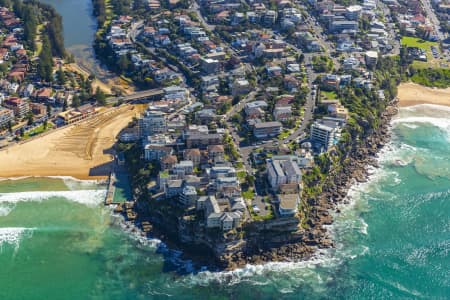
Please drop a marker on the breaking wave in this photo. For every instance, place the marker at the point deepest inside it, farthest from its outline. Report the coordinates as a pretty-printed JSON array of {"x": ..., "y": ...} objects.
[
  {"x": 435, "y": 115},
  {"x": 294, "y": 270},
  {"x": 13, "y": 235},
  {"x": 87, "y": 197}
]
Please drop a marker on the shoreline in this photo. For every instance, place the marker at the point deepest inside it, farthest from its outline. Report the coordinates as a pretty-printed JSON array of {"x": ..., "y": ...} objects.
[
  {"x": 411, "y": 94},
  {"x": 83, "y": 150},
  {"x": 63, "y": 177},
  {"x": 309, "y": 242},
  {"x": 313, "y": 242}
]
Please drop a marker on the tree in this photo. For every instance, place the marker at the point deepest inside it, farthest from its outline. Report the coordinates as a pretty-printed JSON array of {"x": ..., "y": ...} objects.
[
  {"x": 64, "y": 108},
  {"x": 124, "y": 63},
  {"x": 45, "y": 66},
  {"x": 49, "y": 110},
  {"x": 250, "y": 179},
  {"x": 22, "y": 132},
  {"x": 10, "y": 126},
  {"x": 100, "y": 97},
  {"x": 61, "y": 76},
  {"x": 54, "y": 31},
  {"x": 45, "y": 124},
  {"x": 76, "y": 101},
  {"x": 29, "y": 119}
]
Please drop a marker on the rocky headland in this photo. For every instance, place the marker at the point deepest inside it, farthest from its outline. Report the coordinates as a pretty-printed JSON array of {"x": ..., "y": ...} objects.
[{"x": 268, "y": 241}]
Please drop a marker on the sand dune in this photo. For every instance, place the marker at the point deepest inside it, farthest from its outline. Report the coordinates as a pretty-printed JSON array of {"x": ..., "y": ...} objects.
[
  {"x": 410, "y": 94},
  {"x": 82, "y": 150}
]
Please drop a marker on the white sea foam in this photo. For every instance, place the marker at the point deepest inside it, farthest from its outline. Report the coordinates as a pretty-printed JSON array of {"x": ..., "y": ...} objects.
[
  {"x": 443, "y": 123},
  {"x": 64, "y": 178},
  {"x": 135, "y": 233},
  {"x": 14, "y": 178},
  {"x": 296, "y": 270},
  {"x": 13, "y": 235},
  {"x": 6, "y": 208},
  {"x": 435, "y": 115},
  {"x": 346, "y": 222},
  {"x": 86, "y": 197},
  {"x": 426, "y": 108},
  {"x": 412, "y": 126}
]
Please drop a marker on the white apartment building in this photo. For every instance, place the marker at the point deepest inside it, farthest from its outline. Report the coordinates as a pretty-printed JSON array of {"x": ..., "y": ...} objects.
[
  {"x": 283, "y": 171},
  {"x": 325, "y": 133},
  {"x": 151, "y": 123}
]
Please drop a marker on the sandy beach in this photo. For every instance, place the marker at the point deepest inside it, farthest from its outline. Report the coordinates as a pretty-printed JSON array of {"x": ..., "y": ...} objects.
[
  {"x": 410, "y": 94},
  {"x": 82, "y": 150}
]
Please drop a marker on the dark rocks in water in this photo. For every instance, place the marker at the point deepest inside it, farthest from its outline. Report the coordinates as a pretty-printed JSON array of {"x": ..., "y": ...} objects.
[
  {"x": 326, "y": 243},
  {"x": 260, "y": 246}
]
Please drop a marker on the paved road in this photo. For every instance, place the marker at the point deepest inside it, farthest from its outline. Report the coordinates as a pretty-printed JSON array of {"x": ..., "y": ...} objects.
[
  {"x": 434, "y": 20},
  {"x": 232, "y": 130},
  {"x": 196, "y": 9},
  {"x": 390, "y": 29},
  {"x": 135, "y": 30}
]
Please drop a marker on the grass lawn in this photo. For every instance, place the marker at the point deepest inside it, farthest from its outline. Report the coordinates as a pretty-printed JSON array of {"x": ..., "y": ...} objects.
[
  {"x": 256, "y": 217},
  {"x": 248, "y": 194},
  {"x": 241, "y": 175},
  {"x": 283, "y": 135},
  {"x": 328, "y": 95},
  {"x": 37, "y": 131},
  {"x": 37, "y": 40},
  {"x": 425, "y": 45},
  {"x": 419, "y": 43}
]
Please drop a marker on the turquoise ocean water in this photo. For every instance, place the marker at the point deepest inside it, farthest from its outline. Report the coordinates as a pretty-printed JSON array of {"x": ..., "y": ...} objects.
[{"x": 57, "y": 241}]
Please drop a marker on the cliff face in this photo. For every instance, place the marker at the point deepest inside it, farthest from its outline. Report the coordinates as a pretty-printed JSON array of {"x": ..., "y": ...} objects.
[
  {"x": 282, "y": 239},
  {"x": 360, "y": 157}
]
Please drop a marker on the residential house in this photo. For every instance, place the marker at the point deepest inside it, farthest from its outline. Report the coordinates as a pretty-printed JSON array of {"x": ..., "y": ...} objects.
[
  {"x": 183, "y": 168},
  {"x": 188, "y": 196},
  {"x": 288, "y": 204},
  {"x": 168, "y": 162},
  {"x": 282, "y": 113},
  {"x": 267, "y": 129},
  {"x": 193, "y": 155},
  {"x": 255, "y": 109},
  {"x": 156, "y": 151},
  {"x": 38, "y": 109},
  {"x": 240, "y": 87},
  {"x": 371, "y": 58},
  {"x": 18, "y": 105},
  {"x": 128, "y": 135},
  {"x": 202, "y": 140},
  {"x": 216, "y": 153},
  {"x": 174, "y": 187},
  {"x": 6, "y": 116},
  {"x": 209, "y": 65},
  {"x": 206, "y": 116}
]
